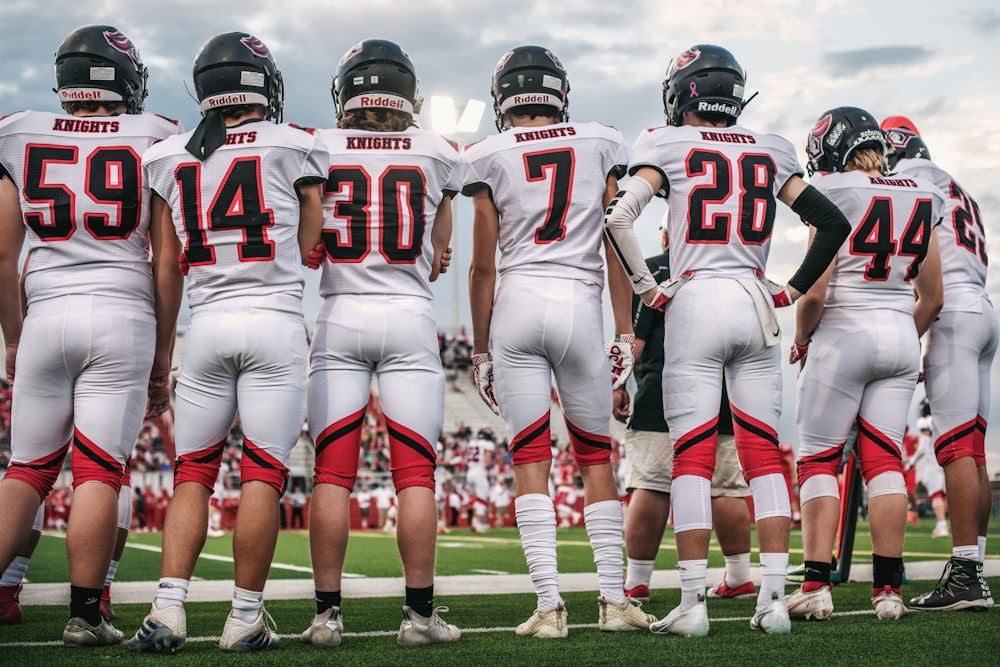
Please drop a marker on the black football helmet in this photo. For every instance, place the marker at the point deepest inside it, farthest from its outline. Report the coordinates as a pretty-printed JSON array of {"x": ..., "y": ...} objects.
[
  {"x": 100, "y": 63},
  {"x": 704, "y": 78},
  {"x": 376, "y": 74},
  {"x": 903, "y": 140},
  {"x": 837, "y": 134},
  {"x": 235, "y": 68},
  {"x": 529, "y": 75}
]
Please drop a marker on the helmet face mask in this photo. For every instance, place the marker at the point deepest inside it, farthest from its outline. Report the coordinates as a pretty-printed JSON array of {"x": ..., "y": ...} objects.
[
  {"x": 236, "y": 68},
  {"x": 99, "y": 63},
  {"x": 706, "y": 79},
  {"x": 529, "y": 76},
  {"x": 376, "y": 74},
  {"x": 837, "y": 134}
]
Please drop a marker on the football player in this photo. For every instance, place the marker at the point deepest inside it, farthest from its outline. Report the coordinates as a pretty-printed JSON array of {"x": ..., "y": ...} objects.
[
  {"x": 861, "y": 330},
  {"x": 241, "y": 195},
  {"x": 387, "y": 222},
  {"x": 960, "y": 347},
  {"x": 72, "y": 184},
  {"x": 479, "y": 458},
  {"x": 722, "y": 182},
  {"x": 539, "y": 189}
]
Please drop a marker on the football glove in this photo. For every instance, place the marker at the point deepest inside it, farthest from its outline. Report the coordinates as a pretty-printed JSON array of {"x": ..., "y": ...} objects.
[
  {"x": 622, "y": 360},
  {"x": 482, "y": 370},
  {"x": 798, "y": 352},
  {"x": 315, "y": 258},
  {"x": 182, "y": 263},
  {"x": 667, "y": 290},
  {"x": 779, "y": 293}
]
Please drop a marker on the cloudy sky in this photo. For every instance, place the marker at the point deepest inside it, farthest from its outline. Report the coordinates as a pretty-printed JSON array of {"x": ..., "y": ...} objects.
[{"x": 932, "y": 61}]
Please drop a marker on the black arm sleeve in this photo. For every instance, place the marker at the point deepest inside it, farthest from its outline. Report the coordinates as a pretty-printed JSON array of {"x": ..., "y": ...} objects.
[{"x": 831, "y": 230}]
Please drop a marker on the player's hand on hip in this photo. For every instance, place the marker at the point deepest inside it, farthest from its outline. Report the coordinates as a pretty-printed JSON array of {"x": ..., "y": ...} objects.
[
  {"x": 482, "y": 369},
  {"x": 315, "y": 258},
  {"x": 622, "y": 360},
  {"x": 659, "y": 297}
]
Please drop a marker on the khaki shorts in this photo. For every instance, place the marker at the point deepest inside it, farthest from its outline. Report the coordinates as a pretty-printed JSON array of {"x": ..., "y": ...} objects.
[{"x": 650, "y": 457}]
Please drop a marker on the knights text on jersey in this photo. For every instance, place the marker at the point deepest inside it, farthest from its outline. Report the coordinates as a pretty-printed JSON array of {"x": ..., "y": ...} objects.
[
  {"x": 892, "y": 219},
  {"x": 548, "y": 185},
  {"x": 237, "y": 213},
  {"x": 961, "y": 236},
  {"x": 84, "y": 200},
  {"x": 380, "y": 200},
  {"x": 722, "y": 186}
]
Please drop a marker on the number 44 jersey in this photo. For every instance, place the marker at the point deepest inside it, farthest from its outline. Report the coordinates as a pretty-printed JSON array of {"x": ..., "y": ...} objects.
[
  {"x": 237, "y": 212},
  {"x": 548, "y": 185},
  {"x": 83, "y": 200},
  {"x": 722, "y": 186}
]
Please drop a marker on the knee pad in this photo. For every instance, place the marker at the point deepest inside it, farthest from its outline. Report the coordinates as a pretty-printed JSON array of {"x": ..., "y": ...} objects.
[
  {"x": 692, "y": 503},
  {"x": 877, "y": 453},
  {"x": 694, "y": 452},
  {"x": 201, "y": 466},
  {"x": 125, "y": 507},
  {"x": 756, "y": 445},
  {"x": 532, "y": 444},
  {"x": 589, "y": 449},
  {"x": 957, "y": 443},
  {"x": 337, "y": 451},
  {"x": 411, "y": 458},
  {"x": 825, "y": 463},
  {"x": 40, "y": 474},
  {"x": 770, "y": 497},
  {"x": 259, "y": 466},
  {"x": 92, "y": 464},
  {"x": 885, "y": 484},
  {"x": 819, "y": 486}
]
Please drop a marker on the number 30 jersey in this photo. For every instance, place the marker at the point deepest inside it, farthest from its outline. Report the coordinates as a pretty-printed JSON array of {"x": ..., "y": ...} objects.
[
  {"x": 548, "y": 185},
  {"x": 83, "y": 199},
  {"x": 722, "y": 186},
  {"x": 237, "y": 212},
  {"x": 380, "y": 200}
]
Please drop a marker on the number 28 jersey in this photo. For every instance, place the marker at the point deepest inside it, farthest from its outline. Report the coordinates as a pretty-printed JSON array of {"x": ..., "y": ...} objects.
[
  {"x": 237, "y": 212},
  {"x": 548, "y": 185},
  {"x": 83, "y": 199},
  {"x": 380, "y": 200},
  {"x": 721, "y": 185}
]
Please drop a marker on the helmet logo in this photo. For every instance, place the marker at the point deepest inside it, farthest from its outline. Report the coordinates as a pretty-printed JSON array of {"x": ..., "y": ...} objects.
[
  {"x": 686, "y": 58},
  {"x": 555, "y": 61},
  {"x": 898, "y": 138},
  {"x": 256, "y": 47},
  {"x": 350, "y": 52},
  {"x": 693, "y": 89},
  {"x": 815, "y": 145},
  {"x": 835, "y": 134},
  {"x": 119, "y": 42},
  {"x": 503, "y": 60}
]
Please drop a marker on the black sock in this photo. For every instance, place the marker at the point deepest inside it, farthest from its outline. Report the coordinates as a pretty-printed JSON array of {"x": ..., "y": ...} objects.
[
  {"x": 817, "y": 571},
  {"x": 326, "y": 599},
  {"x": 85, "y": 603},
  {"x": 887, "y": 572},
  {"x": 421, "y": 600}
]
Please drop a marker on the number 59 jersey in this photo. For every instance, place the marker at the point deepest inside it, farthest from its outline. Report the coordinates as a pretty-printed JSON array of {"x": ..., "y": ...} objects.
[
  {"x": 721, "y": 185},
  {"x": 548, "y": 185},
  {"x": 237, "y": 212},
  {"x": 380, "y": 200},
  {"x": 83, "y": 199}
]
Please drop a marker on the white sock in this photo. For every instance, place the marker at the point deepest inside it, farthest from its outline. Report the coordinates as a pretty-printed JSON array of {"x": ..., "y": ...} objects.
[
  {"x": 14, "y": 574},
  {"x": 737, "y": 570},
  {"x": 941, "y": 525},
  {"x": 112, "y": 570},
  {"x": 981, "y": 541},
  {"x": 604, "y": 528},
  {"x": 247, "y": 604},
  {"x": 968, "y": 552},
  {"x": 171, "y": 591},
  {"x": 638, "y": 573},
  {"x": 773, "y": 567},
  {"x": 692, "y": 573},
  {"x": 536, "y": 521}
]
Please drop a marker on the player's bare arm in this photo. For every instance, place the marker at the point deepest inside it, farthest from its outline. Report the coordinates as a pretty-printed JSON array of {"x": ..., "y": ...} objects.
[
  {"x": 929, "y": 288},
  {"x": 310, "y": 218},
  {"x": 11, "y": 239},
  {"x": 440, "y": 238},
  {"x": 831, "y": 228},
  {"x": 168, "y": 289},
  {"x": 483, "y": 269}
]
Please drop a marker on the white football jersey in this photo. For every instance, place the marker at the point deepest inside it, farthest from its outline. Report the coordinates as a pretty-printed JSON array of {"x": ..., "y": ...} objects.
[
  {"x": 84, "y": 200},
  {"x": 478, "y": 454},
  {"x": 548, "y": 185},
  {"x": 891, "y": 218},
  {"x": 382, "y": 194},
  {"x": 961, "y": 236},
  {"x": 722, "y": 186},
  {"x": 237, "y": 212}
]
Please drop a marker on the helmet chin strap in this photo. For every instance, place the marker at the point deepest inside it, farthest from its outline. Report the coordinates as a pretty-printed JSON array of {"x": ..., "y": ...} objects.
[{"x": 750, "y": 99}]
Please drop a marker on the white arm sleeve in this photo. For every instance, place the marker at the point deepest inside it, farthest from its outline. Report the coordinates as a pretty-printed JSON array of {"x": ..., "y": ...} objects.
[{"x": 618, "y": 221}]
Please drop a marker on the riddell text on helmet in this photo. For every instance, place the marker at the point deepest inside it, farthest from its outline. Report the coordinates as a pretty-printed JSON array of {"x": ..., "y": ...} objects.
[
  {"x": 530, "y": 99},
  {"x": 720, "y": 107},
  {"x": 382, "y": 101},
  {"x": 227, "y": 100}
]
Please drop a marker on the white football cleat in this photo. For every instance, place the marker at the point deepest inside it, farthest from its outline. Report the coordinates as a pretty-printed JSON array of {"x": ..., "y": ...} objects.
[
  {"x": 238, "y": 636},
  {"x": 772, "y": 619},
  {"x": 628, "y": 615},
  {"x": 691, "y": 622},
  {"x": 549, "y": 624},
  {"x": 812, "y": 606},
  {"x": 162, "y": 631},
  {"x": 416, "y": 630},
  {"x": 889, "y": 605},
  {"x": 327, "y": 629}
]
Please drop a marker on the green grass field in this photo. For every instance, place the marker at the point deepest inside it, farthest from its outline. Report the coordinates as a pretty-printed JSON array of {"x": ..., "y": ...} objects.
[{"x": 854, "y": 636}]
